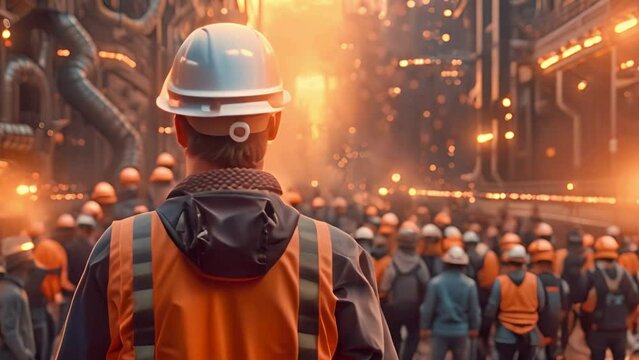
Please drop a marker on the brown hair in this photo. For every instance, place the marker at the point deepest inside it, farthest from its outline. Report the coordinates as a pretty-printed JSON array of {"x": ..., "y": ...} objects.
[{"x": 224, "y": 151}]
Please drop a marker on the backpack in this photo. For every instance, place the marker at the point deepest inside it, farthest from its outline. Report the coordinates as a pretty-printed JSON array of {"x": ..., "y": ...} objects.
[{"x": 406, "y": 289}]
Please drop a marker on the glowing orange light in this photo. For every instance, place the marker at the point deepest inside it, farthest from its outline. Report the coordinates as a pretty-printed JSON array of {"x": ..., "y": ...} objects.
[
  {"x": 509, "y": 135},
  {"x": 412, "y": 191},
  {"x": 396, "y": 177},
  {"x": 546, "y": 63},
  {"x": 117, "y": 56},
  {"x": 582, "y": 85},
  {"x": 448, "y": 13},
  {"x": 570, "y": 186},
  {"x": 506, "y": 102},
  {"x": 445, "y": 37},
  {"x": 571, "y": 51},
  {"x": 22, "y": 189},
  {"x": 63, "y": 52},
  {"x": 592, "y": 41},
  {"x": 484, "y": 138},
  {"x": 6, "y": 34},
  {"x": 508, "y": 116},
  {"x": 382, "y": 191},
  {"x": 314, "y": 183},
  {"x": 626, "y": 25}
]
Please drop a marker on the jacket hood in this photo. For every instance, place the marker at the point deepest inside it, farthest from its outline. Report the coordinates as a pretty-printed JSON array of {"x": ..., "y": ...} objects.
[{"x": 231, "y": 223}]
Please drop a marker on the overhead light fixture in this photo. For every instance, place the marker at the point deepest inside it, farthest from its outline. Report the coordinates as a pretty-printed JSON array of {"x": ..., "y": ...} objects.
[{"x": 626, "y": 25}]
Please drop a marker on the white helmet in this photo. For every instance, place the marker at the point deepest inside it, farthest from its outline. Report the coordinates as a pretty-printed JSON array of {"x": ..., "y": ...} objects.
[
  {"x": 613, "y": 230},
  {"x": 455, "y": 256},
  {"x": 364, "y": 233},
  {"x": 223, "y": 70},
  {"x": 390, "y": 219},
  {"x": 516, "y": 254},
  {"x": 471, "y": 237},
  {"x": 452, "y": 232},
  {"x": 543, "y": 230},
  {"x": 431, "y": 230}
]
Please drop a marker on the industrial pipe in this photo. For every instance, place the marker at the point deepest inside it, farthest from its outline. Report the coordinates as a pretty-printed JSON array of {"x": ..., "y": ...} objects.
[
  {"x": 574, "y": 115},
  {"x": 20, "y": 70},
  {"x": 76, "y": 88},
  {"x": 142, "y": 25}
]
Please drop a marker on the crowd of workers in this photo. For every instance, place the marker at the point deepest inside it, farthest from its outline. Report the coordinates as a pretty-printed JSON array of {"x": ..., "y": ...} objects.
[
  {"x": 40, "y": 269},
  {"x": 227, "y": 268},
  {"x": 498, "y": 287}
]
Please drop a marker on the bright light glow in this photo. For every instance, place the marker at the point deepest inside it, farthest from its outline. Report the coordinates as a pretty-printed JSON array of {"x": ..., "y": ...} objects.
[
  {"x": 506, "y": 102},
  {"x": 396, "y": 177},
  {"x": 382, "y": 191},
  {"x": 117, "y": 56},
  {"x": 509, "y": 135},
  {"x": 28, "y": 246},
  {"x": 545, "y": 64},
  {"x": 412, "y": 191},
  {"x": 403, "y": 63},
  {"x": 22, "y": 189},
  {"x": 432, "y": 167},
  {"x": 626, "y": 25},
  {"x": 314, "y": 183},
  {"x": 6, "y": 34},
  {"x": 592, "y": 41},
  {"x": 627, "y": 64},
  {"x": 508, "y": 116},
  {"x": 224, "y": 11},
  {"x": 484, "y": 138},
  {"x": 352, "y": 130},
  {"x": 570, "y": 186},
  {"x": 571, "y": 51},
  {"x": 63, "y": 52},
  {"x": 410, "y": 4},
  {"x": 582, "y": 85},
  {"x": 448, "y": 13},
  {"x": 33, "y": 189},
  {"x": 446, "y": 37}
]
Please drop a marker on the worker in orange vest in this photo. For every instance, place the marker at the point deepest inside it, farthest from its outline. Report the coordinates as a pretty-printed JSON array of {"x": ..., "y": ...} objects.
[
  {"x": 612, "y": 297},
  {"x": 516, "y": 300},
  {"x": 224, "y": 269},
  {"x": 542, "y": 254},
  {"x": 483, "y": 268}
]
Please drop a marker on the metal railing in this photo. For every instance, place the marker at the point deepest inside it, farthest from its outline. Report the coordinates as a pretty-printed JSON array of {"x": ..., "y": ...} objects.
[{"x": 545, "y": 23}]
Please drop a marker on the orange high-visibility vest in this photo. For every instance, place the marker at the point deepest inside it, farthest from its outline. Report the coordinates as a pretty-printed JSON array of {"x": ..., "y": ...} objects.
[
  {"x": 519, "y": 305},
  {"x": 162, "y": 307}
]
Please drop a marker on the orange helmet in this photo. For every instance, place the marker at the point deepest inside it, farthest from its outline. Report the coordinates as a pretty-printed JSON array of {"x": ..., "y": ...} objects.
[
  {"x": 165, "y": 159},
  {"x": 104, "y": 193},
  {"x": 606, "y": 247},
  {"x": 292, "y": 198},
  {"x": 161, "y": 174},
  {"x": 541, "y": 250},
  {"x": 588, "y": 240},
  {"x": 92, "y": 208},
  {"x": 36, "y": 229},
  {"x": 130, "y": 176},
  {"x": 442, "y": 219},
  {"x": 508, "y": 240},
  {"x": 450, "y": 242},
  {"x": 65, "y": 221},
  {"x": 371, "y": 211},
  {"x": 140, "y": 209},
  {"x": 318, "y": 202}
]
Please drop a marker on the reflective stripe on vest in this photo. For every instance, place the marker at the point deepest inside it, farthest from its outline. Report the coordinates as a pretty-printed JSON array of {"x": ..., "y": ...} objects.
[
  {"x": 519, "y": 304},
  {"x": 135, "y": 328},
  {"x": 143, "y": 322}
]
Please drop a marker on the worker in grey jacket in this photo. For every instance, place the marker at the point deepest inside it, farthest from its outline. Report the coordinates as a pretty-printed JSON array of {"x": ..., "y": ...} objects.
[
  {"x": 450, "y": 312},
  {"x": 16, "y": 331}
]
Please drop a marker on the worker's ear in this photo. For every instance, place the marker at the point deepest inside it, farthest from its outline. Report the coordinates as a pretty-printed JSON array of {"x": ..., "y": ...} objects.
[
  {"x": 274, "y": 126},
  {"x": 180, "y": 130}
]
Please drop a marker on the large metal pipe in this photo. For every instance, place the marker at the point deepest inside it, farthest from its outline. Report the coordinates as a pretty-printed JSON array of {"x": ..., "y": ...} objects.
[
  {"x": 21, "y": 70},
  {"x": 574, "y": 115},
  {"x": 76, "y": 88},
  {"x": 142, "y": 25}
]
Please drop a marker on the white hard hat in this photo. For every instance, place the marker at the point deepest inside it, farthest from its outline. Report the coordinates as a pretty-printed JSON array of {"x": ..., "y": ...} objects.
[
  {"x": 543, "y": 229},
  {"x": 86, "y": 220},
  {"x": 452, "y": 232},
  {"x": 223, "y": 70},
  {"x": 339, "y": 202},
  {"x": 431, "y": 230},
  {"x": 390, "y": 219},
  {"x": 613, "y": 230},
  {"x": 471, "y": 237},
  {"x": 364, "y": 233},
  {"x": 455, "y": 256},
  {"x": 516, "y": 254}
]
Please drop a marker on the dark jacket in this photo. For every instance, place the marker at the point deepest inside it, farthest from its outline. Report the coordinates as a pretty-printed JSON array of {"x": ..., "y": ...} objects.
[
  {"x": 16, "y": 331},
  {"x": 241, "y": 216},
  {"x": 78, "y": 251}
]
